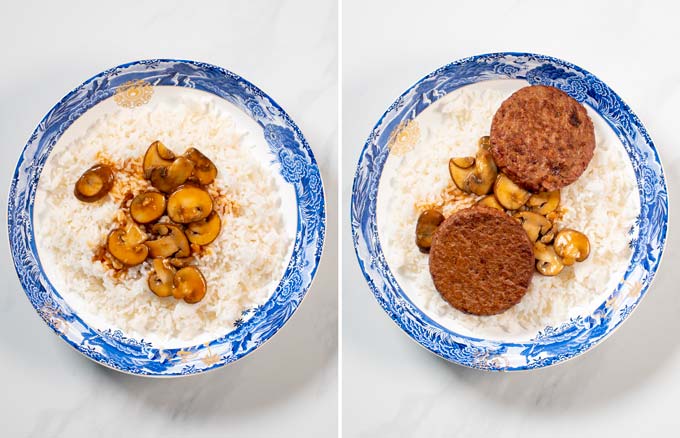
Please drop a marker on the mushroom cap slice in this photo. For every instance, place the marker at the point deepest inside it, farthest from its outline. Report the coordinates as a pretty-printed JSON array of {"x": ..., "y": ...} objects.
[
  {"x": 127, "y": 246},
  {"x": 548, "y": 237},
  {"x": 189, "y": 284},
  {"x": 94, "y": 183},
  {"x": 484, "y": 142},
  {"x": 572, "y": 246},
  {"x": 172, "y": 242},
  {"x": 427, "y": 224},
  {"x": 544, "y": 202},
  {"x": 490, "y": 201},
  {"x": 484, "y": 176},
  {"x": 478, "y": 179},
  {"x": 204, "y": 231},
  {"x": 534, "y": 224},
  {"x": 168, "y": 178},
  {"x": 147, "y": 207},
  {"x": 464, "y": 162},
  {"x": 459, "y": 174},
  {"x": 509, "y": 194},
  {"x": 189, "y": 204},
  {"x": 204, "y": 169},
  {"x": 181, "y": 262},
  {"x": 548, "y": 262},
  {"x": 157, "y": 155},
  {"x": 160, "y": 279}
]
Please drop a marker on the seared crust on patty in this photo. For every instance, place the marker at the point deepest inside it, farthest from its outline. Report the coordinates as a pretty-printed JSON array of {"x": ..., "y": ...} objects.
[
  {"x": 542, "y": 138},
  {"x": 481, "y": 261}
]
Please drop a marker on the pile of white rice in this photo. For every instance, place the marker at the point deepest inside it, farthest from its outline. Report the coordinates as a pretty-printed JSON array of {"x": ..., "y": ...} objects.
[
  {"x": 241, "y": 266},
  {"x": 603, "y": 204}
]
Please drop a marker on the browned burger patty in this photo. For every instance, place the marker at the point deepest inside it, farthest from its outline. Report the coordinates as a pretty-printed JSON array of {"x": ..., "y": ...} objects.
[
  {"x": 542, "y": 138},
  {"x": 481, "y": 261}
]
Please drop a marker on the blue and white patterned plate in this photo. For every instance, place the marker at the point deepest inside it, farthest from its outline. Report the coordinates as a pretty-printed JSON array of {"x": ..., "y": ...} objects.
[
  {"x": 132, "y": 85},
  {"x": 551, "y": 345}
]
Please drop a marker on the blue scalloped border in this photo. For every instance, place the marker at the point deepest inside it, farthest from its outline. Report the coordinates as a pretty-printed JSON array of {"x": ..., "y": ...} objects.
[
  {"x": 553, "y": 344},
  {"x": 298, "y": 168}
]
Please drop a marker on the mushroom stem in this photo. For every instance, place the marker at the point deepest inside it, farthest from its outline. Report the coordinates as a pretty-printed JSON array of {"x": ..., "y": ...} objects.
[
  {"x": 160, "y": 279},
  {"x": 534, "y": 224},
  {"x": 544, "y": 202},
  {"x": 547, "y": 261}
]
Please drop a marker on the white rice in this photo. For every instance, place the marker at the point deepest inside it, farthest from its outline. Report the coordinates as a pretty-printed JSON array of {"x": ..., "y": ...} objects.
[
  {"x": 603, "y": 203},
  {"x": 241, "y": 266}
]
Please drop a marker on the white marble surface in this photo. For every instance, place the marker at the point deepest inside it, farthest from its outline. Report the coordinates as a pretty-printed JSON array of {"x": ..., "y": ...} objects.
[
  {"x": 288, "y": 387},
  {"x": 629, "y": 386}
]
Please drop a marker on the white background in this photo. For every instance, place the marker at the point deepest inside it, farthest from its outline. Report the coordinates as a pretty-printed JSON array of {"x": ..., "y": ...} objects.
[
  {"x": 627, "y": 387},
  {"x": 288, "y": 387}
]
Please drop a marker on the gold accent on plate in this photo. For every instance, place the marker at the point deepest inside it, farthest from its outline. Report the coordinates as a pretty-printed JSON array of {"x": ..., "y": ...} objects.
[
  {"x": 133, "y": 93},
  {"x": 55, "y": 318},
  {"x": 635, "y": 289},
  {"x": 210, "y": 358},
  {"x": 404, "y": 137},
  {"x": 185, "y": 356},
  {"x": 628, "y": 290}
]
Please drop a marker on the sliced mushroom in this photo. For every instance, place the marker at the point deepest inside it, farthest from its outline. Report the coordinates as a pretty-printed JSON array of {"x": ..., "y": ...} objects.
[
  {"x": 478, "y": 179},
  {"x": 172, "y": 242},
  {"x": 427, "y": 224},
  {"x": 490, "y": 201},
  {"x": 547, "y": 261},
  {"x": 459, "y": 174},
  {"x": 189, "y": 204},
  {"x": 464, "y": 162},
  {"x": 147, "y": 207},
  {"x": 181, "y": 262},
  {"x": 94, "y": 183},
  {"x": 168, "y": 178},
  {"x": 535, "y": 225},
  {"x": 204, "y": 169},
  {"x": 160, "y": 279},
  {"x": 509, "y": 194},
  {"x": 572, "y": 246},
  {"x": 484, "y": 142},
  {"x": 550, "y": 235},
  {"x": 544, "y": 202},
  {"x": 189, "y": 284},
  {"x": 204, "y": 231},
  {"x": 127, "y": 246},
  {"x": 157, "y": 155}
]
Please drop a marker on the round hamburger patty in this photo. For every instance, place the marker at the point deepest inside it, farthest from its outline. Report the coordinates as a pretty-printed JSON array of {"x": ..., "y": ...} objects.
[
  {"x": 542, "y": 138},
  {"x": 481, "y": 261}
]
